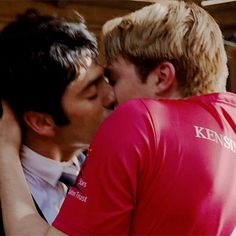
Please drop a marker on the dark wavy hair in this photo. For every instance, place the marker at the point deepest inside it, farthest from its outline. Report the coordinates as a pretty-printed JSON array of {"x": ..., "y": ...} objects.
[{"x": 39, "y": 57}]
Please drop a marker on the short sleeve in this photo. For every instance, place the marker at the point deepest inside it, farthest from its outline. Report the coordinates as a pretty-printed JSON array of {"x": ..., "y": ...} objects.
[{"x": 107, "y": 189}]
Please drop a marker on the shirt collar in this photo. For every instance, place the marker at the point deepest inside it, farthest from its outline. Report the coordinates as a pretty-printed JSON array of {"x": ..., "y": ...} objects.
[{"x": 47, "y": 169}]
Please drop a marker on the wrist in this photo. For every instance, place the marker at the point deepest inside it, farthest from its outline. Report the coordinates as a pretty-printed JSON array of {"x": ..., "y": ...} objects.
[{"x": 9, "y": 152}]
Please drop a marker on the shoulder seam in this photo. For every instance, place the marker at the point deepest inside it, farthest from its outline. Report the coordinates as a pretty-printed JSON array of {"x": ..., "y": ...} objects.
[{"x": 154, "y": 128}]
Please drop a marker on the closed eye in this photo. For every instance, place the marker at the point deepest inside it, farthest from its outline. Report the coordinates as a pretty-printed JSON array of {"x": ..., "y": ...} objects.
[{"x": 93, "y": 97}]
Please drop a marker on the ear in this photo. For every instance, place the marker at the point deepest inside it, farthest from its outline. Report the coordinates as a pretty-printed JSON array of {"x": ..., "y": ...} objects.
[
  {"x": 41, "y": 123},
  {"x": 165, "y": 78}
]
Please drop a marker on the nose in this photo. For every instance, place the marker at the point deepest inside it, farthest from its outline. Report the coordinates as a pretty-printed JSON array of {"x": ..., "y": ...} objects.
[{"x": 107, "y": 95}]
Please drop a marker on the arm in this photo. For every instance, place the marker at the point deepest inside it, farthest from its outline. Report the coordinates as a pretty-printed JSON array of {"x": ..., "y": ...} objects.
[{"x": 20, "y": 216}]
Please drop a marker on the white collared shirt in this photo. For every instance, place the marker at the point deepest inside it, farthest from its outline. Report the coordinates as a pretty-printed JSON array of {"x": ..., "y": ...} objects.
[{"x": 42, "y": 176}]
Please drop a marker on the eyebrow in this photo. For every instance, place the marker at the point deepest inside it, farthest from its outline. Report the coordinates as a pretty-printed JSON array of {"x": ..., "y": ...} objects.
[{"x": 91, "y": 83}]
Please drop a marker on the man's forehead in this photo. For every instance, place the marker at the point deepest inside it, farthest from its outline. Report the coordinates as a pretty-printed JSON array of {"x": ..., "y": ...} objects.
[
  {"x": 91, "y": 68},
  {"x": 86, "y": 75},
  {"x": 90, "y": 75},
  {"x": 83, "y": 69}
]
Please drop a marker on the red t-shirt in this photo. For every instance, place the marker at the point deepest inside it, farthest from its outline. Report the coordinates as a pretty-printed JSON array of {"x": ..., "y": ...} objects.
[{"x": 159, "y": 167}]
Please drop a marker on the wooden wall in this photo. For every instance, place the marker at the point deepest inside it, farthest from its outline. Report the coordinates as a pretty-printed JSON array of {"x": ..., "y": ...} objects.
[{"x": 97, "y": 12}]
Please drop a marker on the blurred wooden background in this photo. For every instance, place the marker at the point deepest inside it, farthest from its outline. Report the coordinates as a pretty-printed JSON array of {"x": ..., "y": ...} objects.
[{"x": 97, "y": 12}]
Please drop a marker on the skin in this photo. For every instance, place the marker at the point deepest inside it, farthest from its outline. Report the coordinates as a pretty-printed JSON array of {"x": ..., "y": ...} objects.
[
  {"x": 85, "y": 104},
  {"x": 126, "y": 82},
  {"x": 160, "y": 82}
]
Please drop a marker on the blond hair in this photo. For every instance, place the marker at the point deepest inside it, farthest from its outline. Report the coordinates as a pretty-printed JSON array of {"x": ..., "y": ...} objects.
[{"x": 176, "y": 31}]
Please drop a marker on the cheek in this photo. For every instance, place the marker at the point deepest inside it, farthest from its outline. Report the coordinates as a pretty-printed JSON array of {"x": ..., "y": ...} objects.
[
  {"x": 124, "y": 92},
  {"x": 85, "y": 122},
  {"x": 92, "y": 121},
  {"x": 121, "y": 92},
  {"x": 92, "y": 113},
  {"x": 106, "y": 94}
]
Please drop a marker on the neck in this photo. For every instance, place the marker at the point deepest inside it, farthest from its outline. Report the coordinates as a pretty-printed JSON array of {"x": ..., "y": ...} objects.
[
  {"x": 175, "y": 95},
  {"x": 170, "y": 94},
  {"x": 48, "y": 148}
]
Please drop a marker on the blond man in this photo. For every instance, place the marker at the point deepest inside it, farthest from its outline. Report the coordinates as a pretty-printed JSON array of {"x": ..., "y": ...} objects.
[{"x": 164, "y": 162}]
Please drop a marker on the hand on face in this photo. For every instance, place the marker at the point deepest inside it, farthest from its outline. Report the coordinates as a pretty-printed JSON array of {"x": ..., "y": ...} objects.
[{"x": 10, "y": 132}]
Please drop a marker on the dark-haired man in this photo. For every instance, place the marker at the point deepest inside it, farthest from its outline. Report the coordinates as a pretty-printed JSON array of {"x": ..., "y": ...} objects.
[{"x": 50, "y": 77}]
